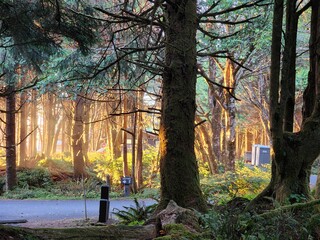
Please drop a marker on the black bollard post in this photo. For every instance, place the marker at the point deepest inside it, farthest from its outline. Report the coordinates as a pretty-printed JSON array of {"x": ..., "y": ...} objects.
[{"x": 104, "y": 204}]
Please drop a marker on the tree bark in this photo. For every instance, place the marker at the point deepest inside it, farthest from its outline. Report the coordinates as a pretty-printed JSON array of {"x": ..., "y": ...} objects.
[
  {"x": 125, "y": 138},
  {"x": 216, "y": 112},
  {"x": 11, "y": 169},
  {"x": 309, "y": 95},
  {"x": 133, "y": 152},
  {"x": 229, "y": 80},
  {"x": 33, "y": 124},
  {"x": 86, "y": 131},
  {"x": 77, "y": 137},
  {"x": 288, "y": 74},
  {"x": 23, "y": 128},
  {"x": 139, "y": 162},
  {"x": 206, "y": 140},
  {"x": 50, "y": 121},
  {"x": 293, "y": 153},
  {"x": 178, "y": 165}
]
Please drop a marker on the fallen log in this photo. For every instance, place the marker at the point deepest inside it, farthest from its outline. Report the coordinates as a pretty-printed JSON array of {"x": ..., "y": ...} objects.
[{"x": 110, "y": 232}]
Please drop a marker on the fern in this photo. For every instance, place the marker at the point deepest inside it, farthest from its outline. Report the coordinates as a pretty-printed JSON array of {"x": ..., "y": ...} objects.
[{"x": 136, "y": 214}]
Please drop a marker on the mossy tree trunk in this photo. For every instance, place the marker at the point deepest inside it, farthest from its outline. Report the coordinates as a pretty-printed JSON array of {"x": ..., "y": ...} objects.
[
  {"x": 109, "y": 232},
  {"x": 178, "y": 165},
  {"x": 293, "y": 153}
]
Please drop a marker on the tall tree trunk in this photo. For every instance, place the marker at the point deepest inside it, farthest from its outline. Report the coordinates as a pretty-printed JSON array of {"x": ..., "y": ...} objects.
[
  {"x": 216, "y": 112},
  {"x": 139, "y": 163},
  {"x": 178, "y": 165},
  {"x": 68, "y": 129},
  {"x": 57, "y": 134},
  {"x": 133, "y": 155},
  {"x": 230, "y": 115},
  {"x": 49, "y": 128},
  {"x": 11, "y": 171},
  {"x": 77, "y": 137},
  {"x": 294, "y": 153},
  {"x": 288, "y": 74},
  {"x": 63, "y": 133},
  {"x": 86, "y": 138},
  {"x": 125, "y": 138},
  {"x": 33, "y": 124},
  {"x": 211, "y": 158},
  {"x": 23, "y": 128},
  {"x": 204, "y": 136}
]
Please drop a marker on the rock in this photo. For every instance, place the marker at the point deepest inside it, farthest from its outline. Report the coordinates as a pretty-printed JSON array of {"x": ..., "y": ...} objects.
[{"x": 175, "y": 214}]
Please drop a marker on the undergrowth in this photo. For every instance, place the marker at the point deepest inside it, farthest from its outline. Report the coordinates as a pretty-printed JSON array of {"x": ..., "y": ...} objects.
[
  {"x": 135, "y": 215},
  {"x": 247, "y": 181},
  {"x": 232, "y": 223}
]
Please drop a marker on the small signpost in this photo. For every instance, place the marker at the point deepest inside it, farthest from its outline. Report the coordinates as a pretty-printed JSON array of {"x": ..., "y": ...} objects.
[{"x": 126, "y": 181}]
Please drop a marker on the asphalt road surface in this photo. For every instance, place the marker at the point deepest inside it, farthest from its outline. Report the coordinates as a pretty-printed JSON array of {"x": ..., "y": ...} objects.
[{"x": 49, "y": 210}]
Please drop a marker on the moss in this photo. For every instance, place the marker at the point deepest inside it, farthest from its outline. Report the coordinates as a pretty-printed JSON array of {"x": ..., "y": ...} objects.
[
  {"x": 15, "y": 233},
  {"x": 180, "y": 232},
  {"x": 314, "y": 225},
  {"x": 111, "y": 232}
]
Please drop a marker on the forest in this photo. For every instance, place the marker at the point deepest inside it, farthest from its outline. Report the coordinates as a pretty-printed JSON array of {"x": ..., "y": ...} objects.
[{"x": 175, "y": 94}]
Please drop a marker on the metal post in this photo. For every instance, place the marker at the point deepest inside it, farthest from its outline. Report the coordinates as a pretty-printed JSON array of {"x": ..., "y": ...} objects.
[
  {"x": 104, "y": 204},
  {"x": 126, "y": 181},
  {"x": 126, "y": 190}
]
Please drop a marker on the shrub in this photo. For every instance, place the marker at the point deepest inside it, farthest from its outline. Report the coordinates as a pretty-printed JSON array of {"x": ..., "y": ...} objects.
[
  {"x": 2, "y": 184},
  {"x": 284, "y": 222},
  {"x": 34, "y": 178},
  {"x": 246, "y": 182},
  {"x": 104, "y": 165}
]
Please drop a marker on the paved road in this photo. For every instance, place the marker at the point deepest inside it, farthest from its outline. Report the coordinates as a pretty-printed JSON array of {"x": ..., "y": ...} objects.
[
  {"x": 47, "y": 210},
  {"x": 313, "y": 180}
]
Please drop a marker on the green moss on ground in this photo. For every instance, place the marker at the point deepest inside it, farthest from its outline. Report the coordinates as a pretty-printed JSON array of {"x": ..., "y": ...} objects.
[{"x": 180, "y": 232}]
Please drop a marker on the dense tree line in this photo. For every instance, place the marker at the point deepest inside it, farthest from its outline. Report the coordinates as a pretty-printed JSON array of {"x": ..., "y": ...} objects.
[{"x": 82, "y": 74}]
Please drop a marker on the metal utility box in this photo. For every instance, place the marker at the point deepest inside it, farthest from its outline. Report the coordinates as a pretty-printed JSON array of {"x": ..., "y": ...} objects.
[{"x": 260, "y": 155}]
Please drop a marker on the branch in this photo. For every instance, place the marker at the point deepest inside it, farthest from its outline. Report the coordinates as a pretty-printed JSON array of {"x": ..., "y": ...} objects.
[
  {"x": 228, "y": 22},
  {"x": 295, "y": 206},
  {"x": 135, "y": 111},
  {"x": 232, "y": 9},
  {"x": 152, "y": 133},
  {"x": 205, "y": 76},
  {"x": 17, "y": 144},
  {"x": 127, "y": 131},
  {"x": 125, "y": 19},
  {"x": 304, "y": 8},
  {"x": 217, "y": 37},
  {"x": 199, "y": 123}
]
